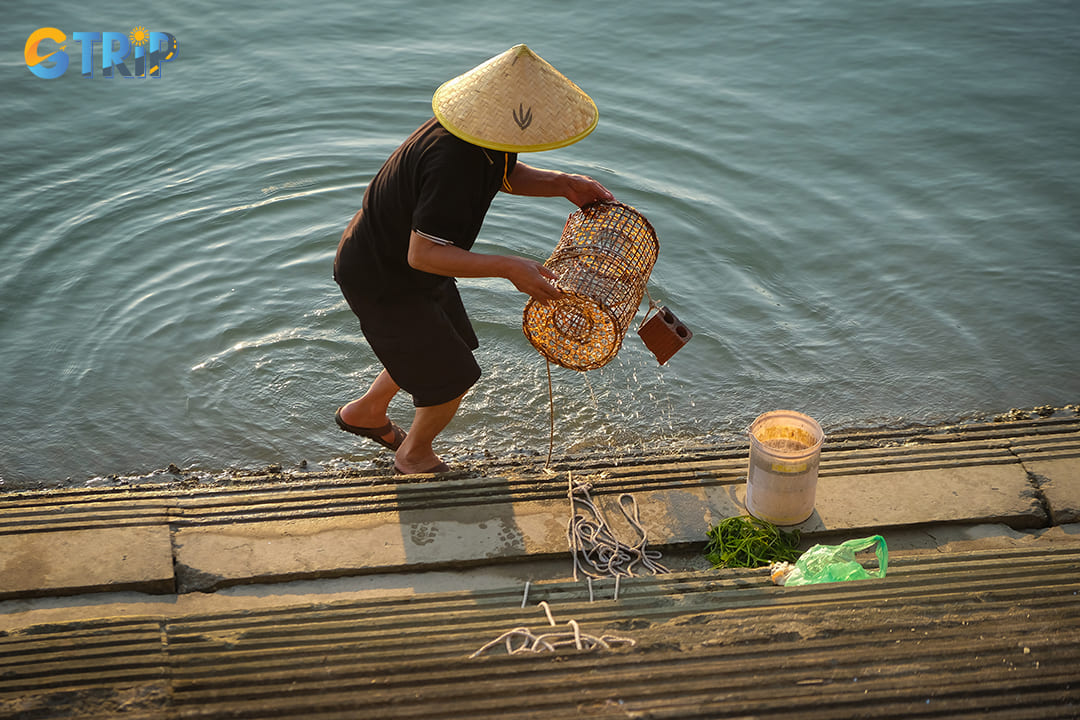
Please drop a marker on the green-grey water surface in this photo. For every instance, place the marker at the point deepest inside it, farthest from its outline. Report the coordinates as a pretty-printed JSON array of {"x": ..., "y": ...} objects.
[{"x": 867, "y": 212}]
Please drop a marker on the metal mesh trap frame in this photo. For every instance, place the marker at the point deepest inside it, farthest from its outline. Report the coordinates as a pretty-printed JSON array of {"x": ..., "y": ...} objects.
[{"x": 603, "y": 261}]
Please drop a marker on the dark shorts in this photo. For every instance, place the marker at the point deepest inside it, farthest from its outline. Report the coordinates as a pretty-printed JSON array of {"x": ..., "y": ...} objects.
[{"x": 425, "y": 341}]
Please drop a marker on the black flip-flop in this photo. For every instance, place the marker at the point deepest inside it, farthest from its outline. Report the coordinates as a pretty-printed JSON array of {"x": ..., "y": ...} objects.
[{"x": 373, "y": 433}]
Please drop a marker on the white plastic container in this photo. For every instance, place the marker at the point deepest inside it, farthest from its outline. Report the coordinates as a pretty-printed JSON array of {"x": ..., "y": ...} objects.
[{"x": 785, "y": 450}]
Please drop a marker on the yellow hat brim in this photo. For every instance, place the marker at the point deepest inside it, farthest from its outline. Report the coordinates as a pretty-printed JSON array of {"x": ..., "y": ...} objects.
[{"x": 515, "y": 102}]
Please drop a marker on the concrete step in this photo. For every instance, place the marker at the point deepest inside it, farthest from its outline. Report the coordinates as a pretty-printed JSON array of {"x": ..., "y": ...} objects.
[
  {"x": 987, "y": 634},
  {"x": 277, "y": 527}
]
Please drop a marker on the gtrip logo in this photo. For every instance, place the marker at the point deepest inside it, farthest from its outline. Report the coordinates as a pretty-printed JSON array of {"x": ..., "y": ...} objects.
[{"x": 147, "y": 51}]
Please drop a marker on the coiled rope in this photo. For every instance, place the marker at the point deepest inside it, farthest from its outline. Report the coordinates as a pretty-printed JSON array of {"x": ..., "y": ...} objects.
[{"x": 597, "y": 552}]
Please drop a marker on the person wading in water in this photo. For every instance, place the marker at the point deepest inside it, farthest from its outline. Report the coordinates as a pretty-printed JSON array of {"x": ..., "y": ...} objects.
[{"x": 398, "y": 258}]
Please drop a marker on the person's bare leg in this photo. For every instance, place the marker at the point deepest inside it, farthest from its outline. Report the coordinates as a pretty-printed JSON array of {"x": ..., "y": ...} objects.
[
  {"x": 416, "y": 454},
  {"x": 369, "y": 411}
]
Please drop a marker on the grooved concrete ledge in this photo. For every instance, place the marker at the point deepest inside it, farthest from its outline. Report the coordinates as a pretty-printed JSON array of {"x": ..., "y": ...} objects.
[
  {"x": 161, "y": 539},
  {"x": 987, "y": 634}
]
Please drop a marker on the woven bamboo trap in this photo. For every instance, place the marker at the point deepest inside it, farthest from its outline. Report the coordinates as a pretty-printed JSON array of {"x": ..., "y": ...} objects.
[{"x": 603, "y": 262}]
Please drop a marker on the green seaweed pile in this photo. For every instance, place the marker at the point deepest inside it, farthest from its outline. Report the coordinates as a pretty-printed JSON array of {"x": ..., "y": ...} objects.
[{"x": 747, "y": 542}]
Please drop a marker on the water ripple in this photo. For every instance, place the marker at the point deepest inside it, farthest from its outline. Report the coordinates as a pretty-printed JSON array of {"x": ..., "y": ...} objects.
[{"x": 865, "y": 212}]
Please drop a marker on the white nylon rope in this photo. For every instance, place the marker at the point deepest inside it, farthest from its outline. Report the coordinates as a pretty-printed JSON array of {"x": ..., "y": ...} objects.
[
  {"x": 523, "y": 640},
  {"x": 597, "y": 552}
]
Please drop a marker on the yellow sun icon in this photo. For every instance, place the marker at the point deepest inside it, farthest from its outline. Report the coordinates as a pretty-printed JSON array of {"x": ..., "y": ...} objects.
[{"x": 139, "y": 36}]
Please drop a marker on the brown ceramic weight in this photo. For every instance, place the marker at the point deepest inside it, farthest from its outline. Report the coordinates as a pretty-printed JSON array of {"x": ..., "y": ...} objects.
[{"x": 664, "y": 334}]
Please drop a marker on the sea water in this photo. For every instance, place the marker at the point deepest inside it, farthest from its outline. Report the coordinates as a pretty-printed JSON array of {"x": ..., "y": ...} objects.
[{"x": 867, "y": 212}]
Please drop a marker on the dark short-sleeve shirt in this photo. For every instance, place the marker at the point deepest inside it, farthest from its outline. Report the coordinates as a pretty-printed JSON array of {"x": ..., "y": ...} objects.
[{"x": 434, "y": 183}]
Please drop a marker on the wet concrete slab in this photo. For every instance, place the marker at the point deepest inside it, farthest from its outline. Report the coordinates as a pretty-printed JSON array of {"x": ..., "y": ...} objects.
[
  {"x": 66, "y": 562},
  {"x": 860, "y": 491},
  {"x": 1053, "y": 464},
  {"x": 308, "y": 526}
]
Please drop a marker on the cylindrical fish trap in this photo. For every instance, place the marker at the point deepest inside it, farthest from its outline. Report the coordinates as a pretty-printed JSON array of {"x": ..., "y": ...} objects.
[{"x": 603, "y": 261}]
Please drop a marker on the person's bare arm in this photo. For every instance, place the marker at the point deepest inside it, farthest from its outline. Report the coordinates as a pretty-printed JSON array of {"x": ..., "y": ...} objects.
[
  {"x": 536, "y": 182},
  {"x": 528, "y": 276}
]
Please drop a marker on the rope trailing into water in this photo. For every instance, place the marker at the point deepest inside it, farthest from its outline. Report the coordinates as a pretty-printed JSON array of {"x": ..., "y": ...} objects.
[
  {"x": 551, "y": 393},
  {"x": 551, "y": 416},
  {"x": 597, "y": 552},
  {"x": 523, "y": 640}
]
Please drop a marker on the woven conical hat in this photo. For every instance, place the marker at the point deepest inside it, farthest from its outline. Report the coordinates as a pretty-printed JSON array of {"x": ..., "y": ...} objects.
[{"x": 515, "y": 102}]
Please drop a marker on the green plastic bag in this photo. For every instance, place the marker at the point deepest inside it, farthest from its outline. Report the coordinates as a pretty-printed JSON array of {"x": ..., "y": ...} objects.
[{"x": 833, "y": 563}]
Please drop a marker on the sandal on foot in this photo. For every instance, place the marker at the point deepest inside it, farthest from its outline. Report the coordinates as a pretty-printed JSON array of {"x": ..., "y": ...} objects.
[
  {"x": 440, "y": 468},
  {"x": 375, "y": 434}
]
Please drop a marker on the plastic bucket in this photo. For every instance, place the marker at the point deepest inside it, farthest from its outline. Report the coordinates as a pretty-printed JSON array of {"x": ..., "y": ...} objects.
[{"x": 785, "y": 448}]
